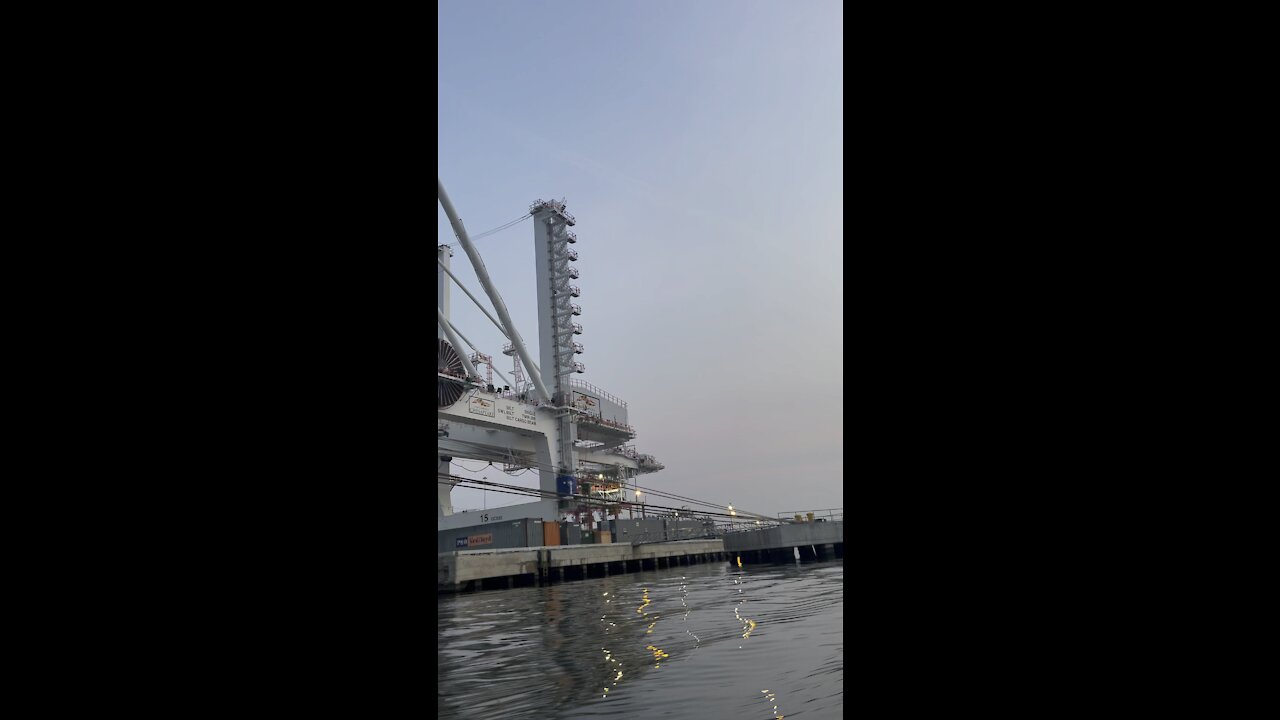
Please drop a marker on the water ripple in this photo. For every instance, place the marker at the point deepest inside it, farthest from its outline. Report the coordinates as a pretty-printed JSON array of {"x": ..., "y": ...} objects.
[{"x": 551, "y": 652}]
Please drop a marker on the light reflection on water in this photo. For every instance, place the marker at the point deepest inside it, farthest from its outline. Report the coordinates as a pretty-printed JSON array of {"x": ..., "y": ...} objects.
[{"x": 717, "y": 633}]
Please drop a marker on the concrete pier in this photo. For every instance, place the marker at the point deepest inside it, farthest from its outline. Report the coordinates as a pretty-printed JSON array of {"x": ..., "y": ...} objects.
[
  {"x": 520, "y": 567},
  {"x": 815, "y": 541}
]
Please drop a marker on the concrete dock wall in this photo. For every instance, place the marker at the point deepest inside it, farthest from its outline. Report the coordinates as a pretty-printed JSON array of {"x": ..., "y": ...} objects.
[
  {"x": 488, "y": 569},
  {"x": 811, "y": 541},
  {"x": 496, "y": 567},
  {"x": 786, "y": 536}
]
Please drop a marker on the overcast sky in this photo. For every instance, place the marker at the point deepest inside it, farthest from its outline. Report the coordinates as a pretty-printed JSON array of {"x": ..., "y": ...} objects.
[{"x": 699, "y": 144}]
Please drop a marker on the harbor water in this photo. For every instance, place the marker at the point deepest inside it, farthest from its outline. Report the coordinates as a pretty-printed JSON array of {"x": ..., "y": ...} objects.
[{"x": 703, "y": 641}]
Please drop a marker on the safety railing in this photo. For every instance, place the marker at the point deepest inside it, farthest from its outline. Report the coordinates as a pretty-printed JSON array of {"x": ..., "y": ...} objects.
[
  {"x": 825, "y": 514},
  {"x": 590, "y": 389}
]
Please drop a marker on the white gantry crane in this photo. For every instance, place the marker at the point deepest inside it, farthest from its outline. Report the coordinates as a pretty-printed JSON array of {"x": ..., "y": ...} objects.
[{"x": 573, "y": 433}]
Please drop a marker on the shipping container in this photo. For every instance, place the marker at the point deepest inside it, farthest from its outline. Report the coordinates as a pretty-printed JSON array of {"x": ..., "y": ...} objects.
[
  {"x": 523, "y": 532},
  {"x": 570, "y": 534},
  {"x": 685, "y": 528},
  {"x": 639, "y": 530}
]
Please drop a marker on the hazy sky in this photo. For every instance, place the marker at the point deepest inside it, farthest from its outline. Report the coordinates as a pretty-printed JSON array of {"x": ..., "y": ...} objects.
[{"x": 699, "y": 144}]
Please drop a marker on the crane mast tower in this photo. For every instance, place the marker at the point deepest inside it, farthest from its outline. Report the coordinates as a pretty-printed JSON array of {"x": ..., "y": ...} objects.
[{"x": 573, "y": 433}]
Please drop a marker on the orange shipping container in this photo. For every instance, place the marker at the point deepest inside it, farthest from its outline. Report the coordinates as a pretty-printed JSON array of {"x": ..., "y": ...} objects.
[{"x": 550, "y": 533}]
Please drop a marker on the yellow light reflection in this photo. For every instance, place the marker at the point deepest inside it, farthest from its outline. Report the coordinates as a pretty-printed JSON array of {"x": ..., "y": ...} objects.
[
  {"x": 658, "y": 654},
  {"x": 773, "y": 698}
]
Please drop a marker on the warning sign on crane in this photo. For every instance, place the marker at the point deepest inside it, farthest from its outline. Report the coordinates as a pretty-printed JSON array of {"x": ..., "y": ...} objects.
[{"x": 586, "y": 403}]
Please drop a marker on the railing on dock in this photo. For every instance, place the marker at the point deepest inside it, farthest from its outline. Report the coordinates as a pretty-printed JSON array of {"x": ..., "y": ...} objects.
[{"x": 826, "y": 514}]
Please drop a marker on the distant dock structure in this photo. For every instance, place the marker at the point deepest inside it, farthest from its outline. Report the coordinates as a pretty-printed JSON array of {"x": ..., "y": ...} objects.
[{"x": 660, "y": 543}]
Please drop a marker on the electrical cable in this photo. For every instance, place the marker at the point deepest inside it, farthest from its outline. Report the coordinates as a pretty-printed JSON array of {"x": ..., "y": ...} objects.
[
  {"x": 652, "y": 491},
  {"x": 502, "y": 227},
  {"x": 744, "y": 514},
  {"x": 464, "y": 467},
  {"x": 490, "y": 486},
  {"x": 498, "y": 229}
]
